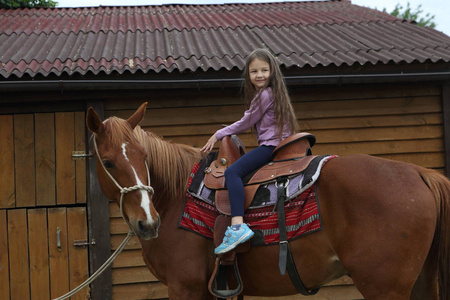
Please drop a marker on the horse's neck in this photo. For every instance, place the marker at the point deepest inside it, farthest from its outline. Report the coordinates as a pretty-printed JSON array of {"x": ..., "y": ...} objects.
[{"x": 170, "y": 165}]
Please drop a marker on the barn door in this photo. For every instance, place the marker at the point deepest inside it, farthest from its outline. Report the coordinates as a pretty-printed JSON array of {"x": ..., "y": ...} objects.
[
  {"x": 37, "y": 167},
  {"x": 43, "y": 211},
  {"x": 43, "y": 261}
]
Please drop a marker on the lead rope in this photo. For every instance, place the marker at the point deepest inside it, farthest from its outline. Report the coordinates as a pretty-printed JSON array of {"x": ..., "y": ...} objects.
[
  {"x": 100, "y": 270},
  {"x": 130, "y": 234}
]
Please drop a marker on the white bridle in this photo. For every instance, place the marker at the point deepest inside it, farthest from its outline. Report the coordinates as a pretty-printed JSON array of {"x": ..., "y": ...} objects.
[{"x": 125, "y": 190}]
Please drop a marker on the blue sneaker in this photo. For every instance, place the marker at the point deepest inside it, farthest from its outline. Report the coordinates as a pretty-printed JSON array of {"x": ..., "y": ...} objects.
[{"x": 233, "y": 238}]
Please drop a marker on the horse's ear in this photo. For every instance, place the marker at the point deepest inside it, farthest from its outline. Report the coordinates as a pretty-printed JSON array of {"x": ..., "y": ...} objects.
[
  {"x": 93, "y": 121},
  {"x": 137, "y": 117}
]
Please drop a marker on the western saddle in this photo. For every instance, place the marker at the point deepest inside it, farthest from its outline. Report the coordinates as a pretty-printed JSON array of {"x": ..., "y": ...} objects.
[{"x": 290, "y": 157}]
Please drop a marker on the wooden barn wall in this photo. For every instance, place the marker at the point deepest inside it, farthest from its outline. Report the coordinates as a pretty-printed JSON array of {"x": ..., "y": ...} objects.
[{"x": 400, "y": 122}]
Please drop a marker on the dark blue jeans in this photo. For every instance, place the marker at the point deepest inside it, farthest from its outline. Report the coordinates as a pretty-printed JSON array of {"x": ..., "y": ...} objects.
[{"x": 238, "y": 170}]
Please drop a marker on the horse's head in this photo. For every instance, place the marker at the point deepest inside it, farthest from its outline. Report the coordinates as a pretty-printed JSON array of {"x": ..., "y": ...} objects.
[{"x": 123, "y": 172}]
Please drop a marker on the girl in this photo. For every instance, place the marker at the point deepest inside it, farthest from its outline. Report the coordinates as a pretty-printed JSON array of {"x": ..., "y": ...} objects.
[{"x": 272, "y": 116}]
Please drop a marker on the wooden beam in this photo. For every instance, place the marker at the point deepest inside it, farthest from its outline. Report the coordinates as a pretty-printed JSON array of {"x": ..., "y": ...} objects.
[
  {"x": 98, "y": 220},
  {"x": 446, "y": 125}
]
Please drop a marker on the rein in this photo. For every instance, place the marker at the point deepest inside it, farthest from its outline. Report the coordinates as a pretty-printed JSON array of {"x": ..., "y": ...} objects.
[{"x": 130, "y": 234}]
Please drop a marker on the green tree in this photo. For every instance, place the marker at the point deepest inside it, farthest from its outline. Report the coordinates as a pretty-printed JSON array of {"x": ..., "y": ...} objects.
[
  {"x": 415, "y": 15},
  {"x": 25, "y": 3}
]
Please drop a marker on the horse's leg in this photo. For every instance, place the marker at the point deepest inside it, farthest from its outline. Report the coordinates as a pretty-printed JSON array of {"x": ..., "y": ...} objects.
[
  {"x": 185, "y": 277},
  {"x": 181, "y": 260},
  {"x": 188, "y": 277},
  {"x": 426, "y": 286},
  {"x": 380, "y": 218}
]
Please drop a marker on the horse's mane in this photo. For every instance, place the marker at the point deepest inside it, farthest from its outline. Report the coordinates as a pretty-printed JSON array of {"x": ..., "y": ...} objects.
[{"x": 169, "y": 161}]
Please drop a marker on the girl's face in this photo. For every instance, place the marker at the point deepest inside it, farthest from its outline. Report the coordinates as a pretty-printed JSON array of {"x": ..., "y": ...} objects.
[{"x": 259, "y": 73}]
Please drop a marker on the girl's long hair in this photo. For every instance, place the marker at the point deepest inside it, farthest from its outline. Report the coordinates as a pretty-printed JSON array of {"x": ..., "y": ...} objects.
[{"x": 284, "y": 111}]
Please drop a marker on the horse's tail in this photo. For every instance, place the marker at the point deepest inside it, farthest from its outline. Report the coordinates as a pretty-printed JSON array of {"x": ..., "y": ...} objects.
[{"x": 440, "y": 186}]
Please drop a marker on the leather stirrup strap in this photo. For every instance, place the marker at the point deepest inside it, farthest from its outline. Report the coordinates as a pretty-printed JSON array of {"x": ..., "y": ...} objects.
[
  {"x": 286, "y": 260},
  {"x": 281, "y": 193}
]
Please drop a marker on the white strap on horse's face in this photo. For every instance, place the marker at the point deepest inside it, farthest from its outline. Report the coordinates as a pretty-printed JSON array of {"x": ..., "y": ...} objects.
[
  {"x": 148, "y": 188},
  {"x": 125, "y": 190}
]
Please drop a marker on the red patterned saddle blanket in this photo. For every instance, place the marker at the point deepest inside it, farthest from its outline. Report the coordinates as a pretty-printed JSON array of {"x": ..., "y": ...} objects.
[{"x": 301, "y": 210}]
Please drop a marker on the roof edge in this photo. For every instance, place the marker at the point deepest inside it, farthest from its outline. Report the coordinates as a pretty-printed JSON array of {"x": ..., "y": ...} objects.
[{"x": 73, "y": 85}]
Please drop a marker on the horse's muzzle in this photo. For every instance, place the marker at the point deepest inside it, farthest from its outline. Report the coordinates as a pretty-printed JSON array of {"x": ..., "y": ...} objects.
[{"x": 147, "y": 231}]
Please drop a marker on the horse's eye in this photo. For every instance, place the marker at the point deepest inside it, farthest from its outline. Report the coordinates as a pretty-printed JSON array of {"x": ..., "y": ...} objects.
[{"x": 108, "y": 164}]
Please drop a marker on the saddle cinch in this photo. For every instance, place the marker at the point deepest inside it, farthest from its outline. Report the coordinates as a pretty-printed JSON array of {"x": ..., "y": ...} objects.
[{"x": 291, "y": 157}]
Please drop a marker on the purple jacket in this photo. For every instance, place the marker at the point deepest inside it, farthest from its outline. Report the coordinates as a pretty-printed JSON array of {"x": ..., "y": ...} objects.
[{"x": 261, "y": 115}]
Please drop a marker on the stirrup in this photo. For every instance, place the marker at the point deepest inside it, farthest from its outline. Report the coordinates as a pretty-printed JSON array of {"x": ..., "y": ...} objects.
[{"x": 218, "y": 283}]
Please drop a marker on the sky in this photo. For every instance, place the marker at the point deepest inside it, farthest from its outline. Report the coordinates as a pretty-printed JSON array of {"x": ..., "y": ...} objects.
[{"x": 438, "y": 8}]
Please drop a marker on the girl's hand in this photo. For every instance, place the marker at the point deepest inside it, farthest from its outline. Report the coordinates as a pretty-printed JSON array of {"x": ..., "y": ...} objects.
[{"x": 209, "y": 144}]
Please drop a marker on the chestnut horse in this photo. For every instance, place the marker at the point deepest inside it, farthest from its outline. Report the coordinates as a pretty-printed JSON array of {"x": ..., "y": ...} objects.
[{"x": 385, "y": 223}]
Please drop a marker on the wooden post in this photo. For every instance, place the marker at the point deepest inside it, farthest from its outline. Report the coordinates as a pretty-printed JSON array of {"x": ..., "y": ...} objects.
[
  {"x": 446, "y": 125},
  {"x": 98, "y": 212}
]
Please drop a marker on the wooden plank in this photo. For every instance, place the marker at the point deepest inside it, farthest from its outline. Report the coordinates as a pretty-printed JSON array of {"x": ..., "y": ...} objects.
[
  {"x": 333, "y": 293},
  {"x": 38, "y": 253},
  {"x": 118, "y": 226},
  {"x": 78, "y": 256},
  {"x": 117, "y": 239},
  {"x": 380, "y": 147},
  {"x": 357, "y": 92},
  {"x": 59, "y": 265},
  {"x": 187, "y": 116},
  {"x": 31, "y": 103},
  {"x": 4, "y": 258},
  {"x": 65, "y": 166},
  {"x": 370, "y": 107},
  {"x": 139, "y": 291},
  {"x": 344, "y": 280},
  {"x": 132, "y": 275},
  {"x": 446, "y": 125},
  {"x": 372, "y": 121},
  {"x": 24, "y": 160},
  {"x": 45, "y": 158},
  {"x": 80, "y": 165},
  {"x": 177, "y": 99},
  {"x": 427, "y": 160},
  {"x": 18, "y": 254},
  {"x": 7, "y": 186},
  {"x": 129, "y": 258},
  {"x": 114, "y": 210}
]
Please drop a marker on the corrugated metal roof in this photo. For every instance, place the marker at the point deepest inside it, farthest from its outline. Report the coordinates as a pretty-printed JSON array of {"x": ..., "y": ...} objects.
[
  {"x": 202, "y": 37},
  {"x": 183, "y": 17}
]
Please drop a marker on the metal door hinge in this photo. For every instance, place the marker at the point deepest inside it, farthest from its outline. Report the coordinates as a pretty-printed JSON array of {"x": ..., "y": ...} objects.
[
  {"x": 58, "y": 238},
  {"x": 77, "y": 155},
  {"x": 83, "y": 243}
]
